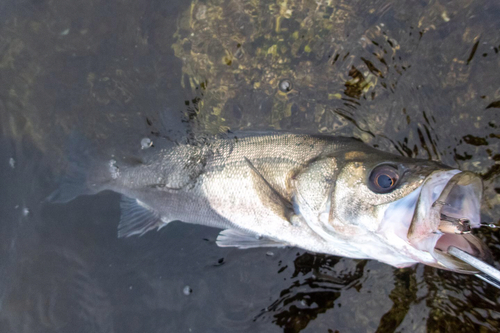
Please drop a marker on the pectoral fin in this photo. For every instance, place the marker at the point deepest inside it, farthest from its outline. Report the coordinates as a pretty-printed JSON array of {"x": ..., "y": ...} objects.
[
  {"x": 137, "y": 218},
  {"x": 269, "y": 196},
  {"x": 243, "y": 240}
]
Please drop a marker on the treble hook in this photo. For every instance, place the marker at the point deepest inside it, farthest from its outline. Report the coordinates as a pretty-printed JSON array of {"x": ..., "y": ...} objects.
[{"x": 453, "y": 225}]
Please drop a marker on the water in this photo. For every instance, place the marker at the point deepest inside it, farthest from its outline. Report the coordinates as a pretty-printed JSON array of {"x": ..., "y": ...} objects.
[{"x": 418, "y": 79}]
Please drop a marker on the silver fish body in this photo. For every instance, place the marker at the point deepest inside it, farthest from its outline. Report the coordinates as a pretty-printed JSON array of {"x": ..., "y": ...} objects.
[{"x": 324, "y": 194}]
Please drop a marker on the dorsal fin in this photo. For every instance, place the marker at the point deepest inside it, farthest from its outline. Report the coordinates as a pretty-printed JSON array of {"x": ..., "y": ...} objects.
[{"x": 137, "y": 218}]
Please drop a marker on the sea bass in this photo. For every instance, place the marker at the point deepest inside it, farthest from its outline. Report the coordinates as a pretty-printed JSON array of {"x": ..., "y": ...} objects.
[{"x": 331, "y": 195}]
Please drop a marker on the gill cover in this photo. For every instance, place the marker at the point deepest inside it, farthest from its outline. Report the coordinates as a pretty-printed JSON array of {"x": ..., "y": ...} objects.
[{"x": 313, "y": 188}]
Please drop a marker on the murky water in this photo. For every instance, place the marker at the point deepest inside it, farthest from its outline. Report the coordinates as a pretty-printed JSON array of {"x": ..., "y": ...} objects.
[{"x": 417, "y": 78}]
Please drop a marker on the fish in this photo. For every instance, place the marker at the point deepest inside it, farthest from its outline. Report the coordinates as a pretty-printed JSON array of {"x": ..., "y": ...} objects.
[{"x": 324, "y": 194}]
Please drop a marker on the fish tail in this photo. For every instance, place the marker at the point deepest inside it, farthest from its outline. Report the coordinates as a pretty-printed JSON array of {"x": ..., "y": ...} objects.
[{"x": 85, "y": 172}]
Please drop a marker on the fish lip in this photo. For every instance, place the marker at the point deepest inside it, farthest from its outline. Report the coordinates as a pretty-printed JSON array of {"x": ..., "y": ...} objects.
[{"x": 459, "y": 198}]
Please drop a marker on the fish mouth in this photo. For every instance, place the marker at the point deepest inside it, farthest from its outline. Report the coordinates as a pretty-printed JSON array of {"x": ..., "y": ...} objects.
[{"x": 447, "y": 210}]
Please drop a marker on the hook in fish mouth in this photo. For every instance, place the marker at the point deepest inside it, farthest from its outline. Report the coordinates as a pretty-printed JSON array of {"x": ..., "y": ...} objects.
[
  {"x": 447, "y": 210},
  {"x": 454, "y": 225}
]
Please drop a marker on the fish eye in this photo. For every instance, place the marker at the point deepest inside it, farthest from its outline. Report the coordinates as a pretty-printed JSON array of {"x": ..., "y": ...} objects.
[{"x": 383, "y": 179}]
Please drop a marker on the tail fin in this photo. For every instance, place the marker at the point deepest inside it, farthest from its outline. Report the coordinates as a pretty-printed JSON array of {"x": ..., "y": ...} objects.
[{"x": 85, "y": 173}]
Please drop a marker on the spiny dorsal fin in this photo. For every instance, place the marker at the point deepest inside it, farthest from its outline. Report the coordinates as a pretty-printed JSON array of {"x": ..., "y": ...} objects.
[
  {"x": 269, "y": 195},
  {"x": 244, "y": 240},
  {"x": 137, "y": 218}
]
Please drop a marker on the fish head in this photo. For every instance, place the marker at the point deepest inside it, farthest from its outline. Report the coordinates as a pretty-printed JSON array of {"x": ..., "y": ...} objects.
[{"x": 394, "y": 209}]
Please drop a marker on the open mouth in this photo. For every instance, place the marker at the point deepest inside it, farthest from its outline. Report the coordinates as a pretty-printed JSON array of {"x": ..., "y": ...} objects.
[{"x": 447, "y": 210}]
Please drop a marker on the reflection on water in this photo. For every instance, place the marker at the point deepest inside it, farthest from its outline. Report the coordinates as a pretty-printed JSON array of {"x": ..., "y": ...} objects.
[
  {"x": 414, "y": 78},
  {"x": 304, "y": 300}
]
